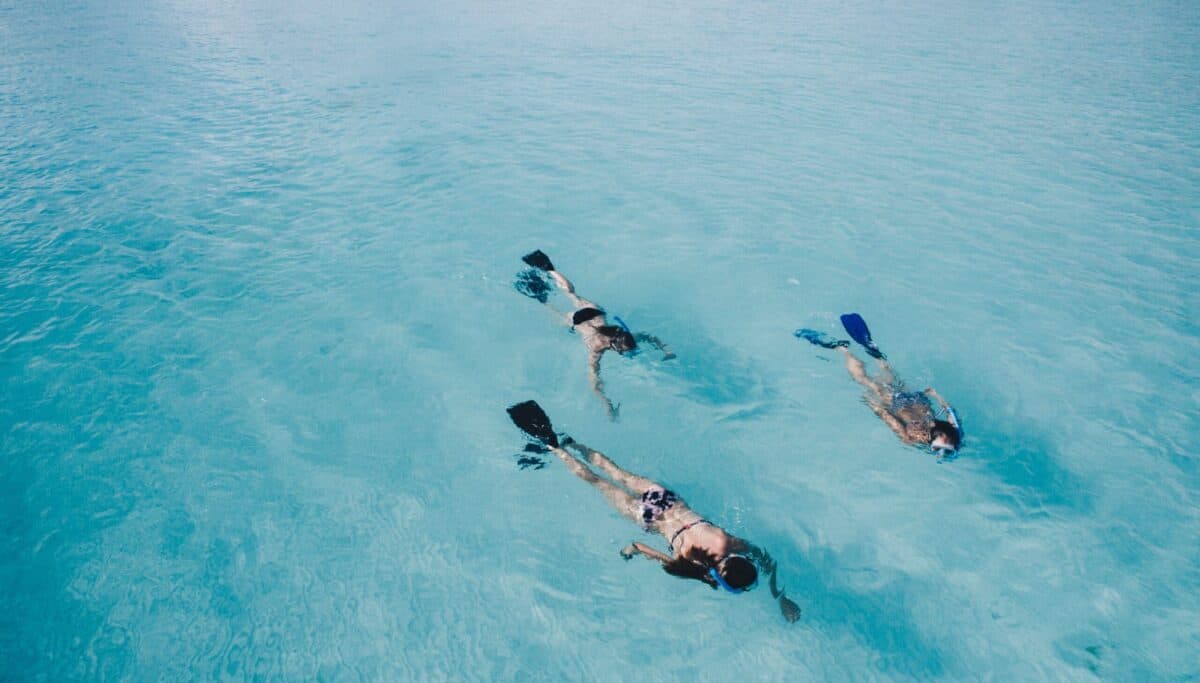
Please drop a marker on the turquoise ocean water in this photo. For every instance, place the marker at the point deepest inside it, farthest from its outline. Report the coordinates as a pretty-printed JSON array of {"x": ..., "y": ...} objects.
[{"x": 258, "y": 331}]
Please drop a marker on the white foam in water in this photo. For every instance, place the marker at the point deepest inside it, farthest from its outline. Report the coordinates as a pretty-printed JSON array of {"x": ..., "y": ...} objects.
[{"x": 258, "y": 332}]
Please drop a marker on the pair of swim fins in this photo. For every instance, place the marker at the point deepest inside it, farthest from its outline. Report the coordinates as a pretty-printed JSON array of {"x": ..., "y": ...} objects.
[
  {"x": 855, "y": 326},
  {"x": 528, "y": 415}
]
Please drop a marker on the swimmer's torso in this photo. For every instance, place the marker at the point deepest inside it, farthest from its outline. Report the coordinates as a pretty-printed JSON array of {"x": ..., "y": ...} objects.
[
  {"x": 914, "y": 412},
  {"x": 589, "y": 330},
  {"x": 693, "y": 538}
]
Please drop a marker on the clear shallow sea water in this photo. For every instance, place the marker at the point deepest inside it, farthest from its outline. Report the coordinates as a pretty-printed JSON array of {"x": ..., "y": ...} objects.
[{"x": 257, "y": 334}]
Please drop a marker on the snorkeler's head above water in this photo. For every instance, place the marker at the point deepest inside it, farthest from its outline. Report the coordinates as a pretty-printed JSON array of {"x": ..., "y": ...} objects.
[
  {"x": 735, "y": 573},
  {"x": 619, "y": 339},
  {"x": 943, "y": 436}
]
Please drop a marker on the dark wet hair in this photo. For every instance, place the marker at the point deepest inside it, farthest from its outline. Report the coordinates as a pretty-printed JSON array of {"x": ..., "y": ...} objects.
[
  {"x": 585, "y": 314},
  {"x": 943, "y": 428},
  {"x": 621, "y": 340},
  {"x": 738, "y": 572},
  {"x": 687, "y": 569}
]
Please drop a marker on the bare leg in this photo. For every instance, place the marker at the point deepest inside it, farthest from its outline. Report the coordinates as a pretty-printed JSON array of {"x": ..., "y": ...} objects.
[
  {"x": 633, "y": 482},
  {"x": 620, "y": 499},
  {"x": 886, "y": 376},
  {"x": 569, "y": 289},
  {"x": 856, "y": 368},
  {"x": 859, "y": 373}
]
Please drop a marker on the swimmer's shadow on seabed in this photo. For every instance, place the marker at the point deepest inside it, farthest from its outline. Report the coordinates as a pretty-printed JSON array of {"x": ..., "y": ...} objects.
[
  {"x": 1017, "y": 451},
  {"x": 876, "y": 618},
  {"x": 712, "y": 374},
  {"x": 1031, "y": 480},
  {"x": 1021, "y": 454},
  {"x": 530, "y": 457}
]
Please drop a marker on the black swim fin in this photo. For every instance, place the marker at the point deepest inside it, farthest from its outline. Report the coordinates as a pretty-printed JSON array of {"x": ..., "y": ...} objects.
[
  {"x": 538, "y": 259},
  {"x": 532, "y": 420},
  {"x": 856, "y": 327},
  {"x": 820, "y": 338}
]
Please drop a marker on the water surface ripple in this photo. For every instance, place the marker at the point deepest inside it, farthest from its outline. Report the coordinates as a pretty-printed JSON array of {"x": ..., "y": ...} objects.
[{"x": 257, "y": 334}]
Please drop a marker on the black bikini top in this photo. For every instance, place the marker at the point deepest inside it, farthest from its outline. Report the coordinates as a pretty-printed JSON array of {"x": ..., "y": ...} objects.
[{"x": 684, "y": 528}]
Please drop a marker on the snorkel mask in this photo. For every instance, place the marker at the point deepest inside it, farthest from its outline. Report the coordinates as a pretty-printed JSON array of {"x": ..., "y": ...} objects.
[
  {"x": 633, "y": 350},
  {"x": 712, "y": 571},
  {"x": 949, "y": 452}
]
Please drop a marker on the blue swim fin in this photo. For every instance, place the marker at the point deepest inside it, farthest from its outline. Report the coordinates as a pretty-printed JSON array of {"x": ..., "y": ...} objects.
[
  {"x": 856, "y": 327},
  {"x": 820, "y": 338}
]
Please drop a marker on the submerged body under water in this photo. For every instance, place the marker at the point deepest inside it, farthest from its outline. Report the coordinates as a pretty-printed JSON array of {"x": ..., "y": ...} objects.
[{"x": 258, "y": 332}]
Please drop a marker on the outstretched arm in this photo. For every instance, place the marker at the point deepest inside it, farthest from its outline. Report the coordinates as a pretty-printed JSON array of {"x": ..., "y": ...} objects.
[
  {"x": 656, "y": 343},
  {"x": 890, "y": 420},
  {"x": 646, "y": 551},
  {"x": 675, "y": 566},
  {"x": 790, "y": 610},
  {"x": 932, "y": 393},
  {"x": 598, "y": 384}
]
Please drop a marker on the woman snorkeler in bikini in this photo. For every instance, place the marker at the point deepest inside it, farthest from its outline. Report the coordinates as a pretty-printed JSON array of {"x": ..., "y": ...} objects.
[
  {"x": 590, "y": 322},
  {"x": 699, "y": 549},
  {"x": 910, "y": 414}
]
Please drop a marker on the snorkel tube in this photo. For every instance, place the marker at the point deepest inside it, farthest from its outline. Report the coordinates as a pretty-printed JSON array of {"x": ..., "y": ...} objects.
[
  {"x": 953, "y": 419},
  {"x": 712, "y": 571},
  {"x": 621, "y": 324}
]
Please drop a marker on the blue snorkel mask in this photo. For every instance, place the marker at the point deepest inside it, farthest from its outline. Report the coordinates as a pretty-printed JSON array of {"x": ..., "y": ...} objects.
[
  {"x": 621, "y": 324},
  {"x": 712, "y": 571},
  {"x": 945, "y": 453}
]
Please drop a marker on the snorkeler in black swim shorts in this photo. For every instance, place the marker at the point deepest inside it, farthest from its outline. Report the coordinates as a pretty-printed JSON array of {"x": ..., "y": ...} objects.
[{"x": 591, "y": 323}]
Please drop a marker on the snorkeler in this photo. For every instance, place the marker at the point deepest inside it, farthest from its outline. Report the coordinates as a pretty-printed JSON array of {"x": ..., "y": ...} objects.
[
  {"x": 590, "y": 321},
  {"x": 700, "y": 550},
  {"x": 909, "y": 414}
]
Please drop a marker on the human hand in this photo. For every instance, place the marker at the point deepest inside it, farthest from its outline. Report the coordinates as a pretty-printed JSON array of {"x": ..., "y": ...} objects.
[
  {"x": 790, "y": 610},
  {"x": 629, "y": 551},
  {"x": 768, "y": 564}
]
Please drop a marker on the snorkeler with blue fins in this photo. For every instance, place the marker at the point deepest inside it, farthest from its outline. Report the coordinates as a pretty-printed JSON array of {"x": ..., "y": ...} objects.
[
  {"x": 588, "y": 320},
  {"x": 910, "y": 414},
  {"x": 700, "y": 550}
]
